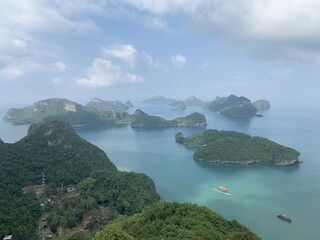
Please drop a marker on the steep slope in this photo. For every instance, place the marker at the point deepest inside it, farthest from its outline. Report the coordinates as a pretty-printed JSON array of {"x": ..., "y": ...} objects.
[
  {"x": 50, "y": 157},
  {"x": 261, "y": 105},
  {"x": 193, "y": 101},
  {"x": 175, "y": 221},
  {"x": 232, "y": 106},
  {"x": 142, "y": 120},
  {"x": 42, "y": 109},
  {"x": 114, "y": 106}
]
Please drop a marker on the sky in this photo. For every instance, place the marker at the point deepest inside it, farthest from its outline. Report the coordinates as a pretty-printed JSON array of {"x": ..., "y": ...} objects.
[{"x": 128, "y": 49}]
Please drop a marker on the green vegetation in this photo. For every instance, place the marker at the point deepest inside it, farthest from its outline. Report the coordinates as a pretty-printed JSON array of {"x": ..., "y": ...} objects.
[
  {"x": 141, "y": 119},
  {"x": 114, "y": 106},
  {"x": 175, "y": 221},
  {"x": 178, "y": 105},
  {"x": 234, "y": 147},
  {"x": 97, "y": 115},
  {"x": 42, "y": 109},
  {"x": 261, "y": 105},
  {"x": 193, "y": 101},
  {"x": 232, "y": 106},
  {"x": 159, "y": 100},
  {"x": 53, "y": 153}
]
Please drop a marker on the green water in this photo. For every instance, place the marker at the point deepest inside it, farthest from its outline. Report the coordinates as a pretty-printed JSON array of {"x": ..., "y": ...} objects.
[{"x": 258, "y": 193}]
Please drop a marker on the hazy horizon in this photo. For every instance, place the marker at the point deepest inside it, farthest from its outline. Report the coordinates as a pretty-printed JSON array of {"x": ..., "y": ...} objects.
[{"x": 132, "y": 49}]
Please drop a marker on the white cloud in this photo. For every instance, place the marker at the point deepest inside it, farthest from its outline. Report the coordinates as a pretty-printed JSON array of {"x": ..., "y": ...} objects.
[
  {"x": 57, "y": 81},
  {"x": 18, "y": 43},
  {"x": 281, "y": 72},
  {"x": 103, "y": 73},
  {"x": 204, "y": 65},
  {"x": 21, "y": 69},
  {"x": 125, "y": 52},
  {"x": 257, "y": 25},
  {"x": 24, "y": 25},
  {"x": 178, "y": 60},
  {"x": 59, "y": 66}
]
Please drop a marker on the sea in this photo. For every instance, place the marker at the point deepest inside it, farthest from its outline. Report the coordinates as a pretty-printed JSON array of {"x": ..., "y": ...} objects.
[{"x": 258, "y": 193}]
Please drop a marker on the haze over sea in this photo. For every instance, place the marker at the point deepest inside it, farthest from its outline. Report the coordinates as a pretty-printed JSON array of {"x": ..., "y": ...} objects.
[{"x": 258, "y": 192}]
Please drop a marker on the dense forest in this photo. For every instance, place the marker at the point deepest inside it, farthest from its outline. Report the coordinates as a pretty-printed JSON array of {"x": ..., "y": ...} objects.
[
  {"x": 37, "y": 172},
  {"x": 175, "y": 221},
  {"x": 235, "y": 147},
  {"x": 55, "y": 184}
]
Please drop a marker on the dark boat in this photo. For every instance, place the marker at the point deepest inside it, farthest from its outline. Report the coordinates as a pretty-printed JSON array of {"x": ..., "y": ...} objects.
[{"x": 284, "y": 218}]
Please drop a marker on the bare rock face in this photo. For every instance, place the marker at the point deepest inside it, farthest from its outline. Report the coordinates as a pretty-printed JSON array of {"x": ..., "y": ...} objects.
[{"x": 70, "y": 107}]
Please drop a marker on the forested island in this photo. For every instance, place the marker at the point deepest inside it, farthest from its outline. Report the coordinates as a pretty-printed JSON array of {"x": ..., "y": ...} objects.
[
  {"x": 114, "y": 106},
  {"x": 261, "y": 105},
  {"x": 95, "y": 113},
  {"x": 230, "y": 147},
  {"x": 232, "y": 106},
  {"x": 54, "y": 183}
]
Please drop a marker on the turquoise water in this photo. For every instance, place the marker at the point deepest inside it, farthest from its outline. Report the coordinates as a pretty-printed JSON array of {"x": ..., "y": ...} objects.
[{"x": 258, "y": 193}]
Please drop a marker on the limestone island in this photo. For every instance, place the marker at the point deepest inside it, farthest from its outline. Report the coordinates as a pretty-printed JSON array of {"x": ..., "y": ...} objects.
[
  {"x": 159, "y": 100},
  {"x": 261, "y": 105},
  {"x": 231, "y": 147},
  {"x": 232, "y": 106},
  {"x": 178, "y": 105},
  {"x": 193, "y": 101},
  {"x": 80, "y": 116},
  {"x": 142, "y": 120},
  {"x": 114, "y": 106}
]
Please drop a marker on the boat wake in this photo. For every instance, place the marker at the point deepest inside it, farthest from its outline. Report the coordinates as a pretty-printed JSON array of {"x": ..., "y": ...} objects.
[{"x": 217, "y": 190}]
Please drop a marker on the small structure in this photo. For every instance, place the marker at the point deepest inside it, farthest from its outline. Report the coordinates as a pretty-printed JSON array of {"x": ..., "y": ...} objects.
[
  {"x": 8, "y": 237},
  {"x": 43, "y": 224}
]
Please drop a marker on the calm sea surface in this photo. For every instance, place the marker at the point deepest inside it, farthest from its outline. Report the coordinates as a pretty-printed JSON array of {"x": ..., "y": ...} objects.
[{"x": 258, "y": 193}]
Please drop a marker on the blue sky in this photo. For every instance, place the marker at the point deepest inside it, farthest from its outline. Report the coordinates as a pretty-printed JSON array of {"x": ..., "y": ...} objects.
[{"x": 127, "y": 49}]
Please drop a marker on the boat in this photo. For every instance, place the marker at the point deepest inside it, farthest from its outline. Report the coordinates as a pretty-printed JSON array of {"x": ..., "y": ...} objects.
[
  {"x": 223, "y": 189},
  {"x": 284, "y": 218}
]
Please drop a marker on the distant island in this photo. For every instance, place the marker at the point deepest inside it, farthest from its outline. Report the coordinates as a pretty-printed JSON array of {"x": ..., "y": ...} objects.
[
  {"x": 42, "y": 109},
  {"x": 261, "y": 105},
  {"x": 230, "y": 147},
  {"x": 114, "y": 106},
  {"x": 193, "y": 101},
  {"x": 142, "y": 120},
  {"x": 178, "y": 105},
  {"x": 80, "y": 116},
  {"x": 175, "y": 221},
  {"x": 159, "y": 100},
  {"x": 232, "y": 106}
]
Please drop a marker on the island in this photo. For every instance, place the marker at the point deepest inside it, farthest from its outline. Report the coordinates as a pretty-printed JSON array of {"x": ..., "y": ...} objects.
[
  {"x": 178, "y": 105},
  {"x": 113, "y": 106},
  {"x": 232, "y": 106},
  {"x": 54, "y": 182},
  {"x": 261, "y": 105},
  {"x": 142, "y": 120},
  {"x": 231, "y": 147},
  {"x": 159, "y": 100},
  {"x": 193, "y": 101},
  {"x": 175, "y": 221},
  {"x": 80, "y": 116},
  {"x": 42, "y": 109}
]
